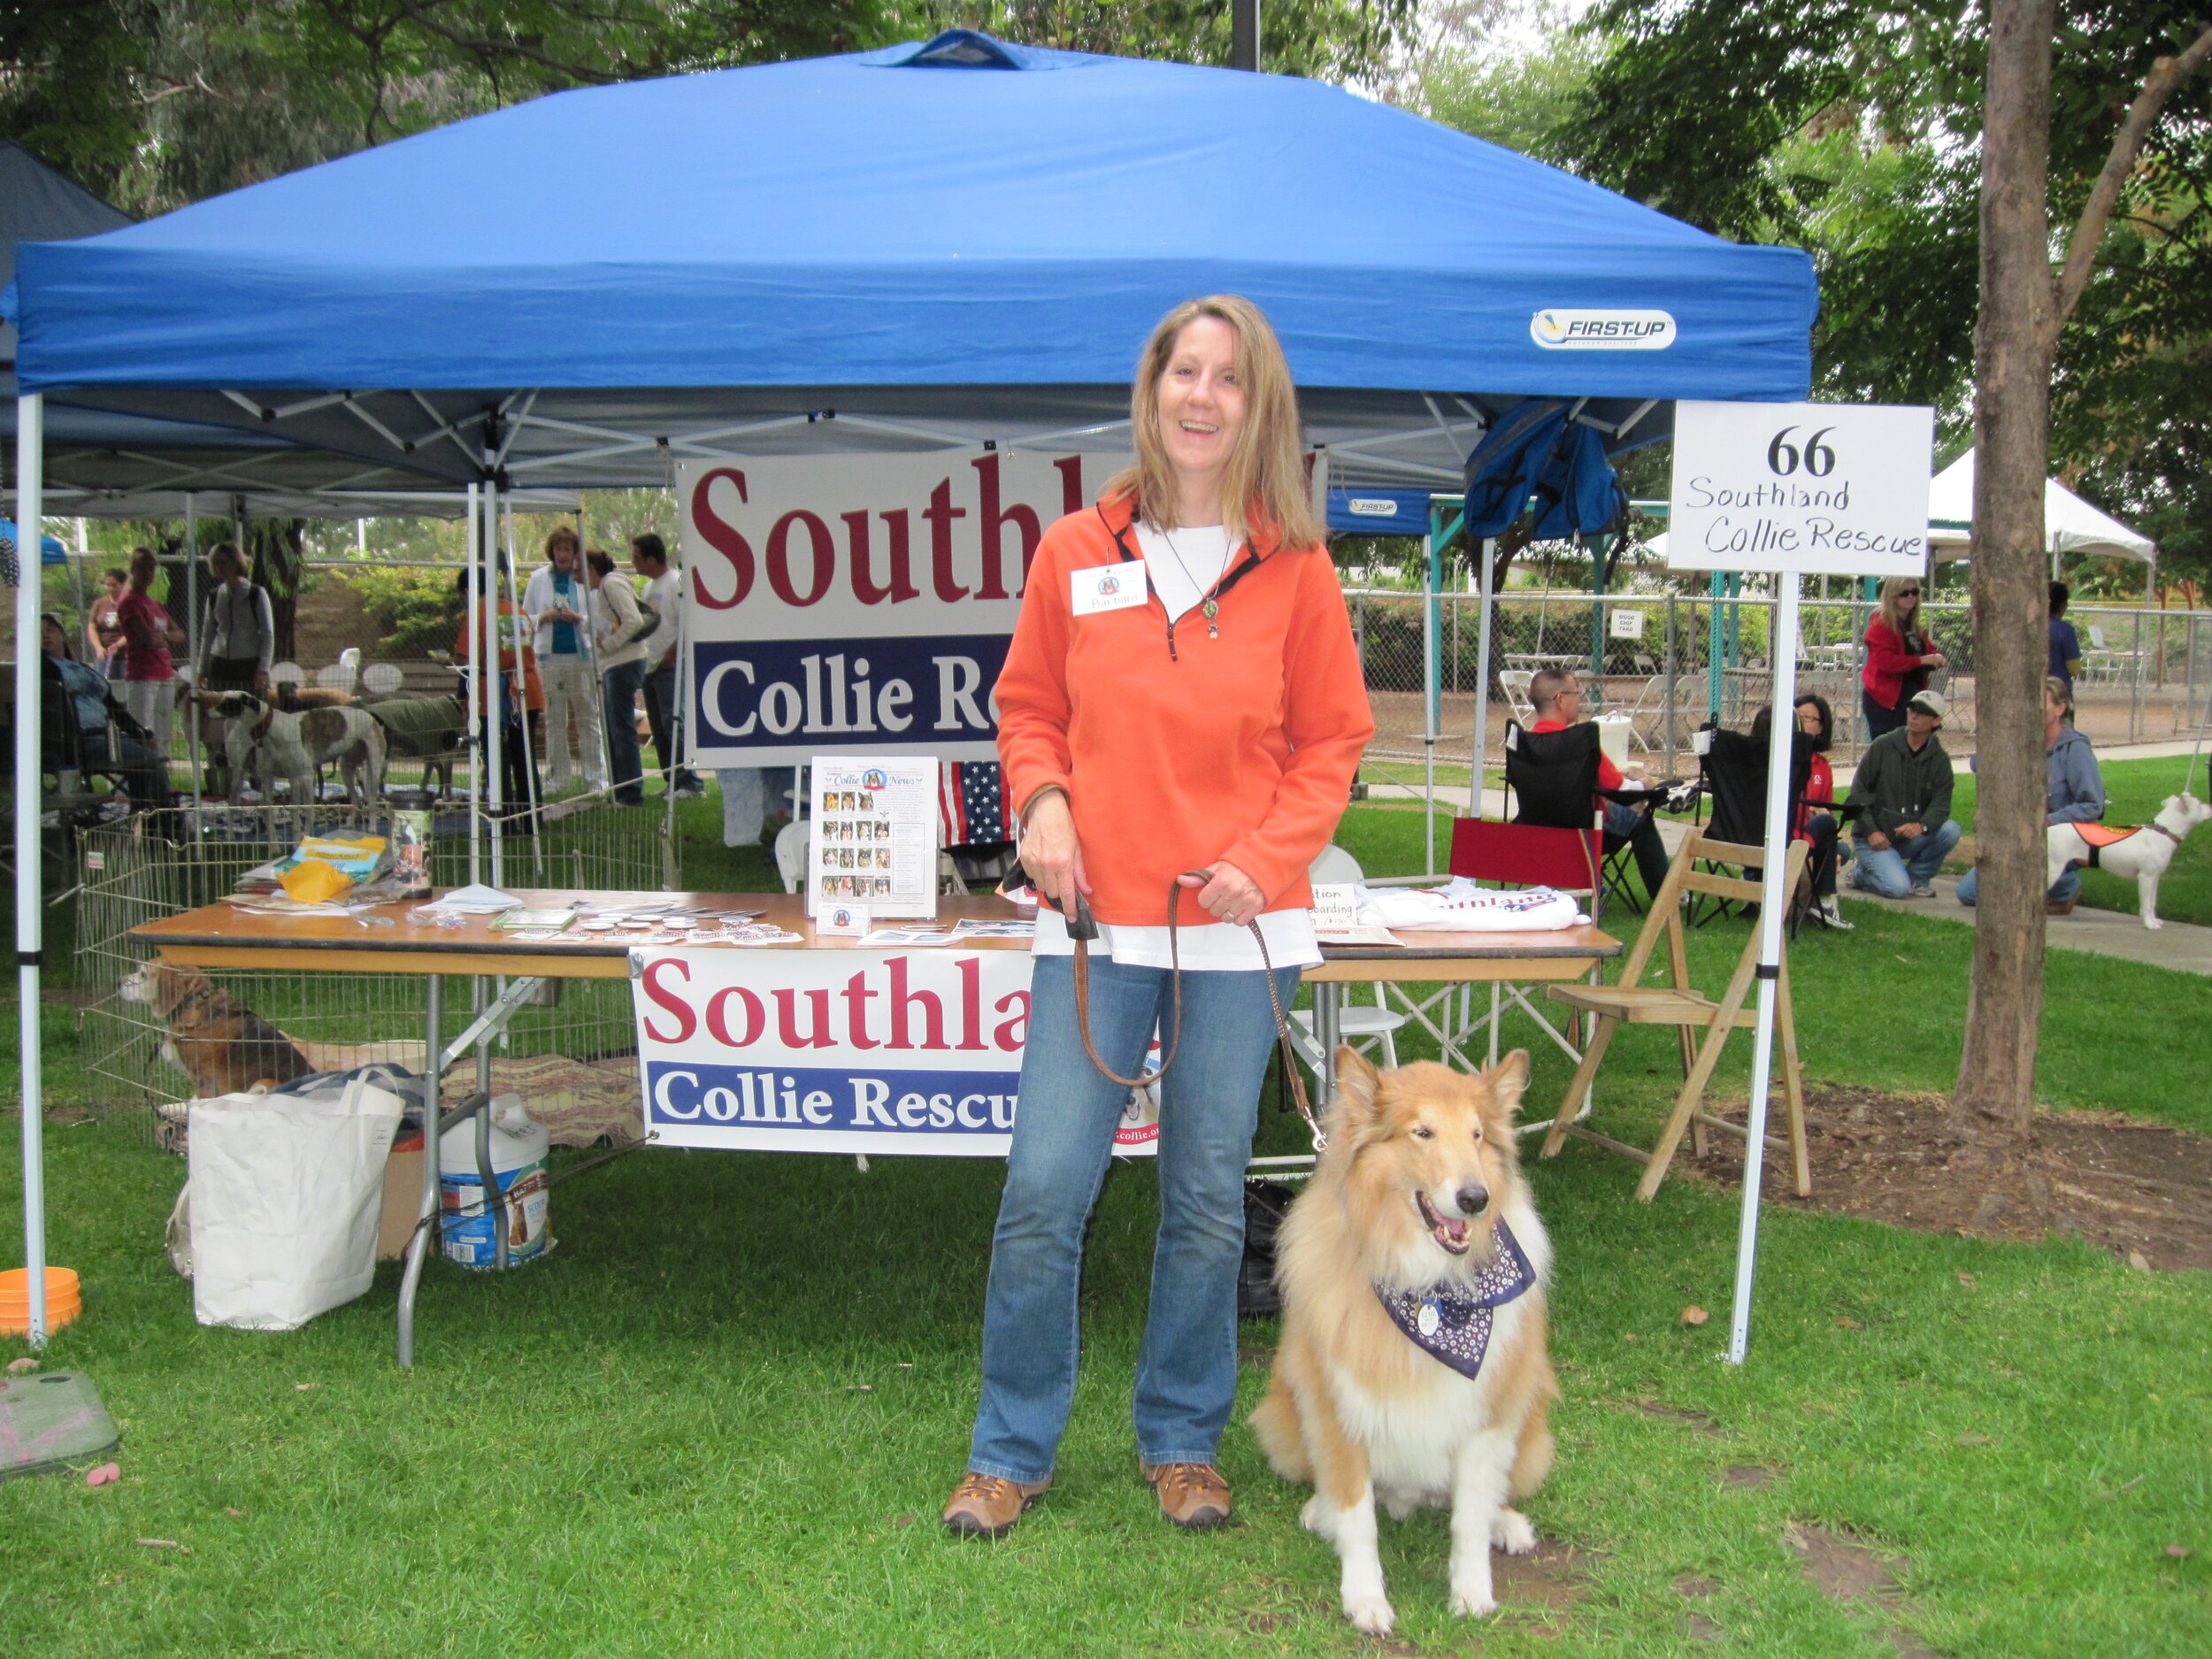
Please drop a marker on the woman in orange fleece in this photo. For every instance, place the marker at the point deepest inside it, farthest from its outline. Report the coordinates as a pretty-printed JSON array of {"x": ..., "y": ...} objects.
[{"x": 1182, "y": 695}]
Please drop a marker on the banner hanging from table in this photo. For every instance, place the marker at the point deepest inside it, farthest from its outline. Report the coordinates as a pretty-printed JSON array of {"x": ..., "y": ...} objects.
[
  {"x": 849, "y": 1051},
  {"x": 861, "y": 601}
]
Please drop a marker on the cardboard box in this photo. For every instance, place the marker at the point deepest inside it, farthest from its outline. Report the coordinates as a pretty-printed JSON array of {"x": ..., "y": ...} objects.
[{"x": 403, "y": 1199}]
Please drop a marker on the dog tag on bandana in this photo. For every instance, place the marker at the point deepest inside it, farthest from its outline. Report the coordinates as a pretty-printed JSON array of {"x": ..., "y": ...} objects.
[
  {"x": 1109, "y": 588},
  {"x": 1452, "y": 1323}
]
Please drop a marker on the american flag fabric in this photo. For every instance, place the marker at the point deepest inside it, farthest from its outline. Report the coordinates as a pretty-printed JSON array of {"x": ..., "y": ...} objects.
[{"x": 971, "y": 802}]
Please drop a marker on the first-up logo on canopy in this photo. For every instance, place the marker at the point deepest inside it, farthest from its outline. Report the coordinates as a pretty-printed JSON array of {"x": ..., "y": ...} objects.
[{"x": 860, "y": 599}]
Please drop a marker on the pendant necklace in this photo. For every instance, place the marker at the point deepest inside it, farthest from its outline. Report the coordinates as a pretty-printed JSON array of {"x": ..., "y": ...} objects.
[{"x": 1208, "y": 606}]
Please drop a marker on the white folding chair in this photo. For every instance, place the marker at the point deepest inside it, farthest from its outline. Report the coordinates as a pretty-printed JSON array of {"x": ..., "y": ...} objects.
[
  {"x": 1515, "y": 683},
  {"x": 791, "y": 853}
]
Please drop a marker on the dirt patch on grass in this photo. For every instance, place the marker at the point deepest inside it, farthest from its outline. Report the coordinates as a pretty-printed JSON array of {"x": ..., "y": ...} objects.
[
  {"x": 2141, "y": 1191},
  {"x": 1845, "y": 1569}
]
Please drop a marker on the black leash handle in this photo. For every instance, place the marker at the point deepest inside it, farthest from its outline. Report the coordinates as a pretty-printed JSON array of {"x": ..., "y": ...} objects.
[{"x": 1083, "y": 930}]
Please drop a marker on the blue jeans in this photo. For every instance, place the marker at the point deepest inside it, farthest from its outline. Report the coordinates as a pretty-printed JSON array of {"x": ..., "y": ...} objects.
[
  {"x": 1063, "y": 1137},
  {"x": 1895, "y": 870},
  {"x": 2066, "y": 888},
  {"x": 625, "y": 768}
]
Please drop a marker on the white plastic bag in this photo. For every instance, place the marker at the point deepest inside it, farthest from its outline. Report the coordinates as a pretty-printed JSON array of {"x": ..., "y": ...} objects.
[{"x": 283, "y": 1197}]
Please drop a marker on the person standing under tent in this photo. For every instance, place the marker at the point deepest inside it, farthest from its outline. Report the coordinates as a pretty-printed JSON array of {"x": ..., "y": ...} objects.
[
  {"x": 2065, "y": 643},
  {"x": 519, "y": 706},
  {"x": 1899, "y": 655},
  {"x": 102, "y": 632},
  {"x": 238, "y": 629},
  {"x": 621, "y": 653},
  {"x": 2073, "y": 792},
  {"x": 150, "y": 672},
  {"x": 1182, "y": 695},
  {"x": 664, "y": 708},
  {"x": 558, "y": 601}
]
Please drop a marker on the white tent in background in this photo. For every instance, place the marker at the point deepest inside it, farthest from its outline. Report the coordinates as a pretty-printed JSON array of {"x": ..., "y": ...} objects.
[{"x": 2071, "y": 525}]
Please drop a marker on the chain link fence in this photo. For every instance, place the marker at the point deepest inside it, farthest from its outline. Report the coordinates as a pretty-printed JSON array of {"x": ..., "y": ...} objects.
[
  {"x": 128, "y": 876},
  {"x": 1668, "y": 662}
]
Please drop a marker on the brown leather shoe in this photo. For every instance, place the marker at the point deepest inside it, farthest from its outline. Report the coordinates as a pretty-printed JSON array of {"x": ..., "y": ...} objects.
[
  {"x": 2058, "y": 907},
  {"x": 1192, "y": 1495},
  {"x": 985, "y": 1506}
]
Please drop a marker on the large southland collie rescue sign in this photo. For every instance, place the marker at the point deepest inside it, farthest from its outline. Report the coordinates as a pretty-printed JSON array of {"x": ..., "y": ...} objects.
[{"x": 860, "y": 599}]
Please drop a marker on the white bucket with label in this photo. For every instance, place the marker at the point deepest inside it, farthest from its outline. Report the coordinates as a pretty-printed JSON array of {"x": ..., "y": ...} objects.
[{"x": 466, "y": 1224}]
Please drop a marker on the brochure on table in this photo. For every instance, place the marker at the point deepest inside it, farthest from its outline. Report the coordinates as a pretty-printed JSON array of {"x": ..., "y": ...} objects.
[{"x": 873, "y": 836}]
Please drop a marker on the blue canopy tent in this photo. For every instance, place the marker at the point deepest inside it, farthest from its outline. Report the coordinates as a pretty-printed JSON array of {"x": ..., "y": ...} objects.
[{"x": 926, "y": 246}]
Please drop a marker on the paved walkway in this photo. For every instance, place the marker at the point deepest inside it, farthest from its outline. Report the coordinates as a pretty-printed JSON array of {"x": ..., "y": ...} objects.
[{"x": 2182, "y": 946}]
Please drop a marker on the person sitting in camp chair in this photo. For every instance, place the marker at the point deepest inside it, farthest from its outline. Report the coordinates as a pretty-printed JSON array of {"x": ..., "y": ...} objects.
[{"x": 1557, "y": 698}]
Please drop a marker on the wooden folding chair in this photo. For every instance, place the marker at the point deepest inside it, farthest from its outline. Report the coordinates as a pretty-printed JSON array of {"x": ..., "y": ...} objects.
[{"x": 1682, "y": 1006}]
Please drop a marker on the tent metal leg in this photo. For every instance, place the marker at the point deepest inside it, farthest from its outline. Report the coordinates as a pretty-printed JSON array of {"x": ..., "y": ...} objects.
[
  {"x": 30, "y": 914},
  {"x": 419, "y": 1245}
]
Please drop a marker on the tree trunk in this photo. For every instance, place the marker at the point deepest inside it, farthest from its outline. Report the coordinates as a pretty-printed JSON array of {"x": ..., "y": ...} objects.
[{"x": 2014, "y": 339}]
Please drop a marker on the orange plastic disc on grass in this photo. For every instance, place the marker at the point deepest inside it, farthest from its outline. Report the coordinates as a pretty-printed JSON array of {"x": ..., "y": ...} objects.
[{"x": 64, "y": 1300}]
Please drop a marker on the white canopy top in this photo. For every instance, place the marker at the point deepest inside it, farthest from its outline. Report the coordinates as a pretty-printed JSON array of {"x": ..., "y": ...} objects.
[{"x": 2071, "y": 525}]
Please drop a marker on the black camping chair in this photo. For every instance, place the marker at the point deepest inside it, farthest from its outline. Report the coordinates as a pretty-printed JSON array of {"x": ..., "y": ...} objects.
[
  {"x": 1552, "y": 777},
  {"x": 1734, "y": 777}
]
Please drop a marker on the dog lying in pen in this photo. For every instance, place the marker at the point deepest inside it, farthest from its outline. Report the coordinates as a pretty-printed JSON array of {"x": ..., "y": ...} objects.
[
  {"x": 1415, "y": 1368},
  {"x": 222, "y": 1045}
]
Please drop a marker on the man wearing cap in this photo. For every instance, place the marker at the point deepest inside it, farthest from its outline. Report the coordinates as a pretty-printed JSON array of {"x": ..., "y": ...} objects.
[{"x": 1904, "y": 829}]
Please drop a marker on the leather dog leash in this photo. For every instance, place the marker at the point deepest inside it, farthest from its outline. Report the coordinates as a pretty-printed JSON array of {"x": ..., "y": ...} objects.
[{"x": 1083, "y": 928}]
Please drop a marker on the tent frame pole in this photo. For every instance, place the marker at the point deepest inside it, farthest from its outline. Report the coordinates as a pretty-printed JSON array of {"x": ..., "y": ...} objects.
[
  {"x": 1482, "y": 672},
  {"x": 531, "y": 802},
  {"x": 30, "y": 502},
  {"x": 475, "y": 693}
]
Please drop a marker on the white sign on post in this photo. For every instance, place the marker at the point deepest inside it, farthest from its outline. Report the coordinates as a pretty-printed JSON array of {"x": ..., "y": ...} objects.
[
  {"x": 1824, "y": 489},
  {"x": 1791, "y": 488}
]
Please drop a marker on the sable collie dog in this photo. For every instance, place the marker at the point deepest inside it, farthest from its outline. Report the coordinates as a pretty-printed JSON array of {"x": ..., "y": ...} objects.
[
  {"x": 223, "y": 1046},
  {"x": 1414, "y": 1368}
]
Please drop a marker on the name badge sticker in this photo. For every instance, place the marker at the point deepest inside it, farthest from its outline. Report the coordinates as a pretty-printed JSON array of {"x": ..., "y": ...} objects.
[{"x": 1109, "y": 588}]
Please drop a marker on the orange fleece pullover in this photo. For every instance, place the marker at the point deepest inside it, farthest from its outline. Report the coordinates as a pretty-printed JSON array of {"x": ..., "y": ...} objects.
[{"x": 1179, "y": 744}]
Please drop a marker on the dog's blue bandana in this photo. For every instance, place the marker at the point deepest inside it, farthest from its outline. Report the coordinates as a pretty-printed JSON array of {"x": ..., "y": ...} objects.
[{"x": 1453, "y": 1326}]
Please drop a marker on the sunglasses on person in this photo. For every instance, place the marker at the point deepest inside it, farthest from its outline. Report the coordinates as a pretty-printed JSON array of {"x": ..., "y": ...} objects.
[{"x": 1909, "y": 593}]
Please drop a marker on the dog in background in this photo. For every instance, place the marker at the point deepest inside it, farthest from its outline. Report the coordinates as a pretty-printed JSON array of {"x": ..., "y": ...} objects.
[
  {"x": 222, "y": 1046},
  {"x": 1415, "y": 1368},
  {"x": 2140, "y": 855},
  {"x": 273, "y": 743}
]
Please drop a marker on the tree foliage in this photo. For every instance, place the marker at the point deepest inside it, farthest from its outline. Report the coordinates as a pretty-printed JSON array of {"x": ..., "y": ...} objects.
[
  {"x": 153, "y": 104},
  {"x": 158, "y": 102},
  {"x": 1852, "y": 128}
]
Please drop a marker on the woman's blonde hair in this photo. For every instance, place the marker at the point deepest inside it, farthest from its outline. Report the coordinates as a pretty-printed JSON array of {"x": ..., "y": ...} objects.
[
  {"x": 1892, "y": 590},
  {"x": 224, "y": 561},
  {"x": 2055, "y": 688},
  {"x": 1266, "y": 483}
]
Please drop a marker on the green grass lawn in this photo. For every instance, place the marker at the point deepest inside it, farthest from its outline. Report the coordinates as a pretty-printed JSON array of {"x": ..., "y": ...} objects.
[
  {"x": 2134, "y": 791},
  {"x": 720, "y": 1417}
]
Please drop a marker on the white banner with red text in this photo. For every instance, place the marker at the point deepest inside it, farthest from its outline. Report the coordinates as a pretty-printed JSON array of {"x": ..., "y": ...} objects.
[
  {"x": 849, "y": 1051},
  {"x": 860, "y": 601}
]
